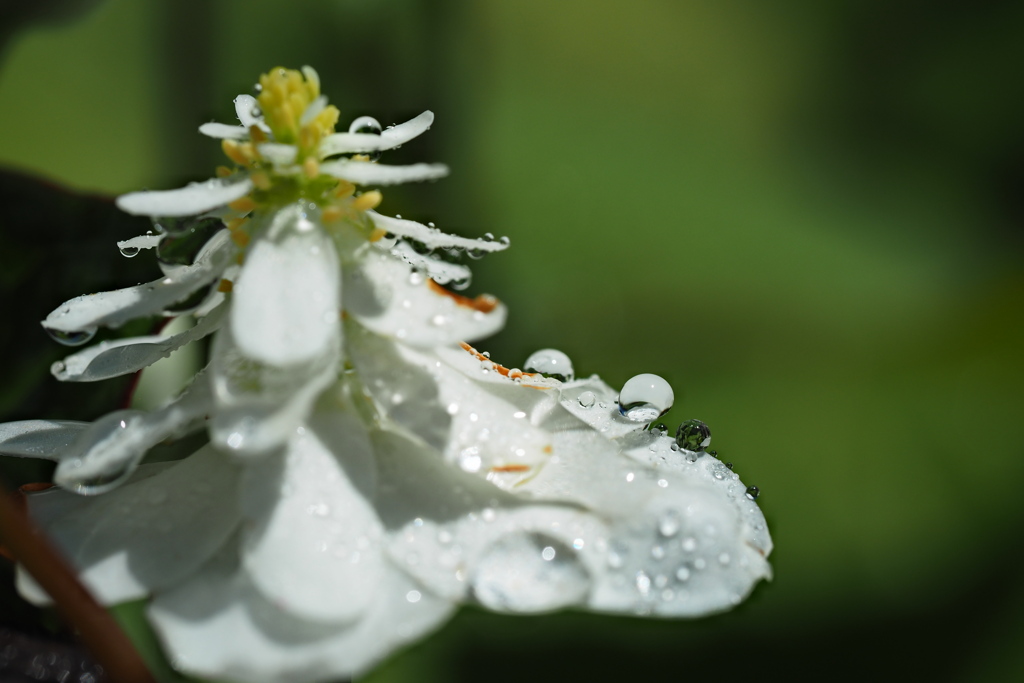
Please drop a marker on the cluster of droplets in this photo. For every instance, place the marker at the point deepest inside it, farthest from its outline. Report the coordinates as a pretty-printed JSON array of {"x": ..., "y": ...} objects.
[{"x": 443, "y": 264}]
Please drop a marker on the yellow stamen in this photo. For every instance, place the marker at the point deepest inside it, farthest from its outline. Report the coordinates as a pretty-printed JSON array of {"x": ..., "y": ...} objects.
[
  {"x": 360, "y": 157},
  {"x": 233, "y": 150},
  {"x": 225, "y": 286},
  {"x": 367, "y": 200},
  {"x": 377, "y": 234},
  {"x": 331, "y": 214},
  {"x": 256, "y": 134},
  {"x": 223, "y": 171},
  {"x": 344, "y": 189},
  {"x": 260, "y": 179},
  {"x": 311, "y": 168},
  {"x": 243, "y": 205}
]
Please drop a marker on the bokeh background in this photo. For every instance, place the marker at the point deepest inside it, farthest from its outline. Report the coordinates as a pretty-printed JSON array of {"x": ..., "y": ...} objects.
[{"x": 807, "y": 216}]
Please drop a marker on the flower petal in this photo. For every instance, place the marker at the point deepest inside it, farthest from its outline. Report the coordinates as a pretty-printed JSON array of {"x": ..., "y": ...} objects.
[
  {"x": 440, "y": 271},
  {"x": 190, "y": 200},
  {"x": 150, "y": 533},
  {"x": 287, "y": 298},
  {"x": 147, "y": 241},
  {"x": 372, "y": 173},
  {"x": 39, "y": 438},
  {"x": 432, "y": 237},
  {"x": 315, "y": 545},
  {"x": 114, "y": 308},
  {"x": 107, "y": 452},
  {"x": 113, "y": 358},
  {"x": 387, "y": 297},
  {"x": 389, "y": 138},
  {"x": 260, "y": 406},
  {"x": 246, "y": 108},
  {"x": 220, "y": 626},
  {"x": 278, "y": 153},
  {"x": 224, "y": 131}
]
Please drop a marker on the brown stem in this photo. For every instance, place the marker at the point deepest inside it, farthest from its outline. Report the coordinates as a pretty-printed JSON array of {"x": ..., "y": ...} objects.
[{"x": 97, "y": 628}]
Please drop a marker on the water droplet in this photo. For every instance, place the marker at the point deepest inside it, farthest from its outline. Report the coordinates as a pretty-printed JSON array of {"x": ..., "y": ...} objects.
[
  {"x": 550, "y": 363},
  {"x": 258, "y": 87},
  {"x": 470, "y": 460},
  {"x": 529, "y": 572},
  {"x": 683, "y": 573},
  {"x": 181, "y": 247},
  {"x": 729, "y": 465},
  {"x": 101, "y": 457},
  {"x": 689, "y": 544},
  {"x": 643, "y": 582},
  {"x": 669, "y": 524},
  {"x": 644, "y": 397},
  {"x": 256, "y": 112},
  {"x": 753, "y": 492},
  {"x": 72, "y": 337},
  {"x": 129, "y": 252},
  {"x": 724, "y": 559},
  {"x": 658, "y": 552},
  {"x": 586, "y": 399},
  {"x": 413, "y": 596},
  {"x": 365, "y": 124},
  {"x": 693, "y": 435}
]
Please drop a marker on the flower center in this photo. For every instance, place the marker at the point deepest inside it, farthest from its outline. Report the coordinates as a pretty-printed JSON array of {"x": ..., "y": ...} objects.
[{"x": 294, "y": 109}]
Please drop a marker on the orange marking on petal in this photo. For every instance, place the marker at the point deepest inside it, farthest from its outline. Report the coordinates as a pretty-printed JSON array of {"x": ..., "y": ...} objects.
[
  {"x": 485, "y": 303},
  {"x": 511, "y": 468},
  {"x": 548, "y": 449},
  {"x": 35, "y": 486}
]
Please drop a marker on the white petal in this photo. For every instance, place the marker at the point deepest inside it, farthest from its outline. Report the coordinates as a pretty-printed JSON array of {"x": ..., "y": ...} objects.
[
  {"x": 441, "y": 272},
  {"x": 106, "y": 453},
  {"x": 245, "y": 106},
  {"x": 315, "y": 545},
  {"x": 114, "y": 308},
  {"x": 314, "y": 108},
  {"x": 220, "y": 627},
  {"x": 389, "y": 138},
  {"x": 311, "y": 76},
  {"x": 38, "y": 438},
  {"x": 260, "y": 406},
  {"x": 278, "y": 153},
  {"x": 224, "y": 131},
  {"x": 140, "y": 242},
  {"x": 387, "y": 297},
  {"x": 190, "y": 200},
  {"x": 432, "y": 237},
  {"x": 404, "y": 392},
  {"x": 372, "y": 173},
  {"x": 151, "y": 533},
  {"x": 113, "y": 358},
  {"x": 287, "y": 299}
]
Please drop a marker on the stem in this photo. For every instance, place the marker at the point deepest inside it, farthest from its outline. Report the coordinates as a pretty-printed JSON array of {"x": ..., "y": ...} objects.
[{"x": 94, "y": 624}]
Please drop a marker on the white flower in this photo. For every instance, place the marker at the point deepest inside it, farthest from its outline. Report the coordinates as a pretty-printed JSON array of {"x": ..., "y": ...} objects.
[{"x": 367, "y": 470}]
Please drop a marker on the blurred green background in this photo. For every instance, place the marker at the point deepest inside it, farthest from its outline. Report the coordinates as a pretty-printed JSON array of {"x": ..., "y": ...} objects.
[{"x": 807, "y": 216}]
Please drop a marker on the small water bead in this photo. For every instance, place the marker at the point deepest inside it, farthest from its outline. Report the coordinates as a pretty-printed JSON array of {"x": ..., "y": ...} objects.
[
  {"x": 693, "y": 435},
  {"x": 669, "y": 524},
  {"x": 550, "y": 363},
  {"x": 729, "y": 465},
  {"x": 130, "y": 252},
  {"x": 72, "y": 337},
  {"x": 586, "y": 399},
  {"x": 365, "y": 124},
  {"x": 644, "y": 397},
  {"x": 753, "y": 492}
]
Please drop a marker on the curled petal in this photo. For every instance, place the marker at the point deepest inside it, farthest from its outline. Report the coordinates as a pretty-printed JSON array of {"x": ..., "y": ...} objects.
[
  {"x": 45, "y": 439},
  {"x": 389, "y": 138},
  {"x": 224, "y": 131},
  {"x": 287, "y": 299},
  {"x": 149, "y": 534},
  {"x": 119, "y": 306},
  {"x": 432, "y": 237},
  {"x": 186, "y": 201},
  {"x": 106, "y": 453},
  {"x": 246, "y": 109},
  {"x": 371, "y": 173},
  {"x": 113, "y": 358},
  {"x": 387, "y": 297}
]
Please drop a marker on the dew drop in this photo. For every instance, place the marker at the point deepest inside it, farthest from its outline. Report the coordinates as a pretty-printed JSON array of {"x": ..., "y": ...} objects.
[
  {"x": 130, "y": 252},
  {"x": 644, "y": 397},
  {"x": 586, "y": 399},
  {"x": 693, "y": 435},
  {"x": 365, "y": 124},
  {"x": 753, "y": 492},
  {"x": 643, "y": 582},
  {"x": 669, "y": 524},
  {"x": 72, "y": 337},
  {"x": 683, "y": 574},
  {"x": 550, "y": 363}
]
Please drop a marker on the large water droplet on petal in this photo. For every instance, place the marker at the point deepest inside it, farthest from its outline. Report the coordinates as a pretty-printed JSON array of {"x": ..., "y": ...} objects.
[
  {"x": 753, "y": 492},
  {"x": 129, "y": 252},
  {"x": 550, "y": 363},
  {"x": 644, "y": 397},
  {"x": 101, "y": 457},
  {"x": 72, "y": 337},
  {"x": 529, "y": 572},
  {"x": 693, "y": 435}
]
